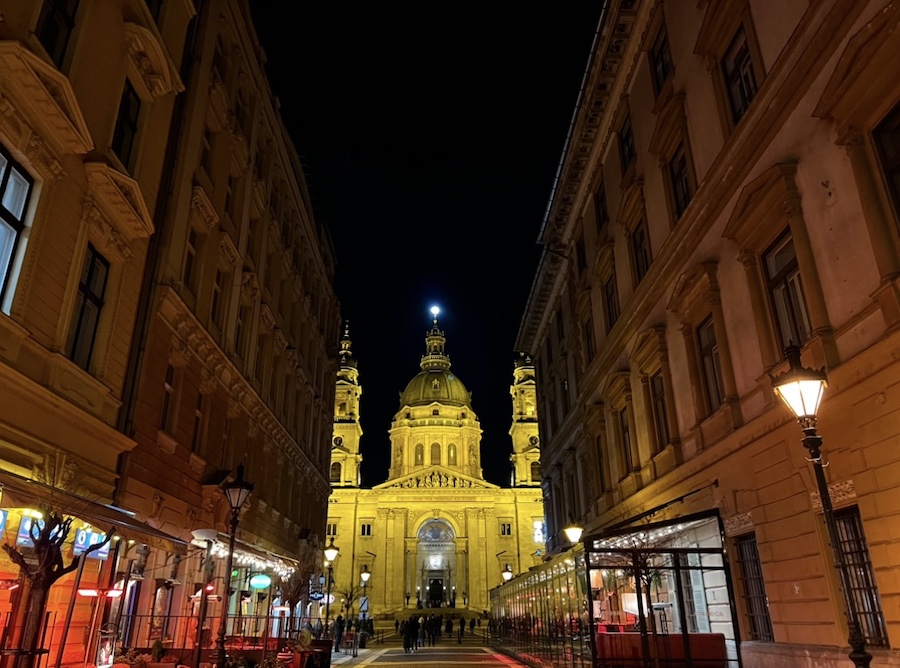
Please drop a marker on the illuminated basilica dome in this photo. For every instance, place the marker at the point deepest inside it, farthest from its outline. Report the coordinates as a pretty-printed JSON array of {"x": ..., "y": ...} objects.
[{"x": 435, "y": 382}]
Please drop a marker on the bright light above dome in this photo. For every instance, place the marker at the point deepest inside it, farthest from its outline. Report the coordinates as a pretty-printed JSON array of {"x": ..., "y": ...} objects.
[{"x": 435, "y": 310}]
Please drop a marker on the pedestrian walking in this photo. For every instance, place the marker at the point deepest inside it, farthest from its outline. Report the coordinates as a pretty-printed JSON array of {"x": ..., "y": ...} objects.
[
  {"x": 462, "y": 629},
  {"x": 472, "y": 626},
  {"x": 448, "y": 628},
  {"x": 338, "y": 632}
]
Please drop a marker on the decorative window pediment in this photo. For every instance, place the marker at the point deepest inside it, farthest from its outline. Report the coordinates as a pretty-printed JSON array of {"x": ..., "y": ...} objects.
[
  {"x": 694, "y": 292},
  {"x": 631, "y": 211},
  {"x": 617, "y": 390},
  {"x": 867, "y": 69},
  {"x": 649, "y": 349},
  {"x": 670, "y": 128},
  {"x": 151, "y": 71},
  {"x": 203, "y": 213},
  {"x": 721, "y": 20},
  {"x": 45, "y": 99},
  {"x": 605, "y": 263},
  {"x": 762, "y": 208},
  {"x": 266, "y": 316},
  {"x": 119, "y": 197},
  {"x": 228, "y": 251}
]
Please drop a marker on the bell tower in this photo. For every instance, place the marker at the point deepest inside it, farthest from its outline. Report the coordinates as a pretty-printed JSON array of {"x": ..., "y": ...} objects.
[
  {"x": 347, "y": 432},
  {"x": 526, "y": 457}
]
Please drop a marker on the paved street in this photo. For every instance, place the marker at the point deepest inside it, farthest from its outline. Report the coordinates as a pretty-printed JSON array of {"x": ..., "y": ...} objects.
[{"x": 447, "y": 653}]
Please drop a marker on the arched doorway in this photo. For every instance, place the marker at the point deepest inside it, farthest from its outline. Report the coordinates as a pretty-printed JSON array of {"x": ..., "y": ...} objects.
[{"x": 436, "y": 568}]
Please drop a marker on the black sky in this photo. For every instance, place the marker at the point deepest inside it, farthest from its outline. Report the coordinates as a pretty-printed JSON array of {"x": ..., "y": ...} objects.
[{"x": 430, "y": 140}]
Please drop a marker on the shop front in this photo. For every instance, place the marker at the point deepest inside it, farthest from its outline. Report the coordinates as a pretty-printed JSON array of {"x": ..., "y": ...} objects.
[{"x": 659, "y": 594}]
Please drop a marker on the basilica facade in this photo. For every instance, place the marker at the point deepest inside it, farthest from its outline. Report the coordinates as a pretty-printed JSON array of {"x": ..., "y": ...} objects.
[{"x": 435, "y": 533}]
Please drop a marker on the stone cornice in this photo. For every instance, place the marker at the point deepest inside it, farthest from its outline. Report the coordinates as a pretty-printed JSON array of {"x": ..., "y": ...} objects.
[{"x": 184, "y": 325}]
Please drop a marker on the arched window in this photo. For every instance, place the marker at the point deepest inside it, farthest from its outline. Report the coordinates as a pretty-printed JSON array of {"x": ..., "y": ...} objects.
[
  {"x": 342, "y": 408},
  {"x": 335, "y": 472},
  {"x": 435, "y": 453},
  {"x": 535, "y": 471},
  {"x": 451, "y": 454},
  {"x": 420, "y": 454}
]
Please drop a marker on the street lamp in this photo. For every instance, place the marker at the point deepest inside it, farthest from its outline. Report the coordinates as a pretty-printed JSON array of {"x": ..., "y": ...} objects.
[
  {"x": 331, "y": 553},
  {"x": 507, "y": 573},
  {"x": 573, "y": 532},
  {"x": 802, "y": 390},
  {"x": 236, "y": 492},
  {"x": 364, "y": 575}
]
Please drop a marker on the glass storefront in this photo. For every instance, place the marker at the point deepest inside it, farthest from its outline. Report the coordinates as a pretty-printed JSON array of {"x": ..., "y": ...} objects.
[{"x": 660, "y": 595}]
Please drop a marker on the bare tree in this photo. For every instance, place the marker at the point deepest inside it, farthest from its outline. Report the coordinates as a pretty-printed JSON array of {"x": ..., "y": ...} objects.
[{"x": 41, "y": 567}]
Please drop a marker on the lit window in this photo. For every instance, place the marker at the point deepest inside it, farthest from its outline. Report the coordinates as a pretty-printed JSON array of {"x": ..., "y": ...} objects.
[
  {"x": 540, "y": 531},
  {"x": 15, "y": 193}
]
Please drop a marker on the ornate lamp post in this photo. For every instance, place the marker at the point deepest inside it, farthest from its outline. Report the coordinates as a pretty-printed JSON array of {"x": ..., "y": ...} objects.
[
  {"x": 802, "y": 390},
  {"x": 364, "y": 575},
  {"x": 507, "y": 573},
  {"x": 237, "y": 492},
  {"x": 331, "y": 553}
]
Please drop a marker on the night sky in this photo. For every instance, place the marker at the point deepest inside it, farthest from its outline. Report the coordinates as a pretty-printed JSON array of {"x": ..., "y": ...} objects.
[{"x": 430, "y": 145}]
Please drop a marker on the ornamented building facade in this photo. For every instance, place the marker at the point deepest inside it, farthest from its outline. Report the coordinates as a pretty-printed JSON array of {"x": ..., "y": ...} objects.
[
  {"x": 435, "y": 533},
  {"x": 167, "y": 312},
  {"x": 730, "y": 186}
]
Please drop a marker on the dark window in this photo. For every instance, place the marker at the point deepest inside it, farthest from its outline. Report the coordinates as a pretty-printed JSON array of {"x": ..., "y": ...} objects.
[
  {"x": 756, "y": 602},
  {"x": 217, "y": 307},
  {"x": 420, "y": 455},
  {"x": 239, "y": 323},
  {"x": 54, "y": 27},
  {"x": 435, "y": 453},
  {"x": 15, "y": 192},
  {"x": 660, "y": 413},
  {"x": 197, "y": 439},
  {"x": 580, "y": 256},
  {"x": 611, "y": 300},
  {"x": 709, "y": 361},
  {"x": 165, "y": 418},
  {"x": 505, "y": 529},
  {"x": 640, "y": 247},
  {"x": 560, "y": 327},
  {"x": 625, "y": 434},
  {"x": 126, "y": 124},
  {"x": 600, "y": 208},
  {"x": 589, "y": 347},
  {"x": 190, "y": 260},
  {"x": 786, "y": 291},
  {"x": 855, "y": 552},
  {"x": 535, "y": 471},
  {"x": 680, "y": 178},
  {"x": 626, "y": 144},
  {"x": 660, "y": 59},
  {"x": 740, "y": 80},
  {"x": 887, "y": 139},
  {"x": 331, "y": 529},
  {"x": 365, "y": 529},
  {"x": 155, "y": 7},
  {"x": 88, "y": 305},
  {"x": 334, "y": 476}
]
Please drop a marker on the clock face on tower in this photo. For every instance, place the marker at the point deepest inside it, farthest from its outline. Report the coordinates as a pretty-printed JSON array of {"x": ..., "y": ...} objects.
[
  {"x": 338, "y": 441},
  {"x": 533, "y": 440}
]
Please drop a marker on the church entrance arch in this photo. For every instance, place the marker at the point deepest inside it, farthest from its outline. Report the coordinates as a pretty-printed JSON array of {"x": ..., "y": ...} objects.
[{"x": 436, "y": 567}]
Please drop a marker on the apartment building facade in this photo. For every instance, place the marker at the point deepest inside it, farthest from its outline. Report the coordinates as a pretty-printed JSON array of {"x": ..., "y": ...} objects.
[{"x": 729, "y": 187}]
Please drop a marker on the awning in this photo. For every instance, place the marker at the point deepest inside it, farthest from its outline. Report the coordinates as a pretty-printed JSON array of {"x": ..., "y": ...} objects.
[
  {"x": 254, "y": 556},
  {"x": 19, "y": 492}
]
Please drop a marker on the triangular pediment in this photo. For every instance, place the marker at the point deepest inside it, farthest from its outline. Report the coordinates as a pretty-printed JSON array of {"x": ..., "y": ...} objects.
[{"x": 436, "y": 477}]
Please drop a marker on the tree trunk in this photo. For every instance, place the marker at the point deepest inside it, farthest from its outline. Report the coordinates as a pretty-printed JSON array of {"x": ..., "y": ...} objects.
[{"x": 34, "y": 622}]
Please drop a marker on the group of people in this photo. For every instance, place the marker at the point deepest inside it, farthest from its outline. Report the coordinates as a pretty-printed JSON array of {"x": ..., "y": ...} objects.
[
  {"x": 417, "y": 631},
  {"x": 341, "y": 626}
]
